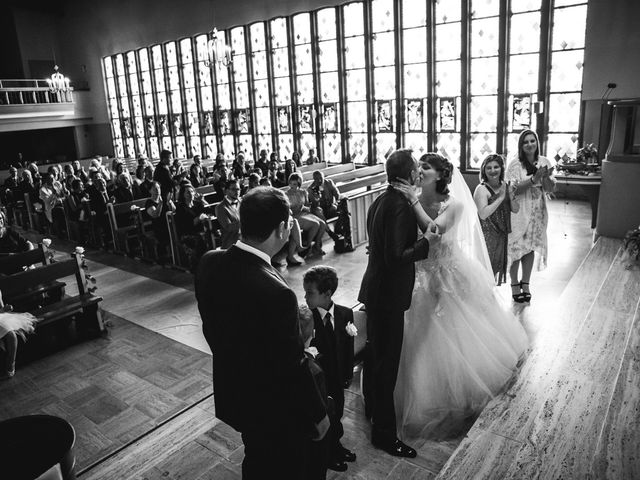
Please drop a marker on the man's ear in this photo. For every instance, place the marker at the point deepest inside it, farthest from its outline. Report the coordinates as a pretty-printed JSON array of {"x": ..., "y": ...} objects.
[{"x": 281, "y": 229}]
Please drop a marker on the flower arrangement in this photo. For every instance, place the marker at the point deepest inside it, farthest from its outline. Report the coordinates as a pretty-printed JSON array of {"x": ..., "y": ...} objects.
[
  {"x": 587, "y": 154},
  {"x": 586, "y": 160},
  {"x": 632, "y": 244}
]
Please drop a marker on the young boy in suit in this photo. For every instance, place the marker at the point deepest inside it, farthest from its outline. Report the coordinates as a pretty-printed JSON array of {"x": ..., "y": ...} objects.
[{"x": 334, "y": 331}]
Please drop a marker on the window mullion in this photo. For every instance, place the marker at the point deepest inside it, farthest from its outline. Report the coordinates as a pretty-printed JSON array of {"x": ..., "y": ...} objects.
[
  {"x": 249, "y": 55},
  {"x": 400, "y": 108},
  {"x": 315, "y": 68},
  {"x": 431, "y": 77},
  {"x": 503, "y": 55},
  {"x": 275, "y": 131},
  {"x": 465, "y": 66},
  {"x": 295, "y": 117},
  {"x": 368, "y": 49},
  {"x": 544, "y": 71},
  {"x": 342, "y": 86}
]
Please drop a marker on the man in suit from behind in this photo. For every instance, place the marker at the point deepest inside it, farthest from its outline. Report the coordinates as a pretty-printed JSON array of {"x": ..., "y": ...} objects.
[
  {"x": 262, "y": 383},
  {"x": 386, "y": 291}
]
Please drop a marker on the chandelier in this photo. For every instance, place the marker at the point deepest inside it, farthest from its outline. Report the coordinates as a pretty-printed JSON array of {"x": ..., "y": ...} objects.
[
  {"x": 58, "y": 82},
  {"x": 219, "y": 53}
]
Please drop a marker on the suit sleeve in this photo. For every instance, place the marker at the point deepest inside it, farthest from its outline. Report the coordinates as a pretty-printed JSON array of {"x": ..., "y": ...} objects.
[
  {"x": 396, "y": 236},
  {"x": 348, "y": 347}
]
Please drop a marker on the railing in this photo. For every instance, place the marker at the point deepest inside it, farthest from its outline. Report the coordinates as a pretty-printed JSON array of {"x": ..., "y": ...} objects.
[{"x": 31, "y": 92}]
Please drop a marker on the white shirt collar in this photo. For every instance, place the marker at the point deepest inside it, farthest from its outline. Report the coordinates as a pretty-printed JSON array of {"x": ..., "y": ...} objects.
[
  {"x": 258, "y": 253},
  {"x": 323, "y": 313}
]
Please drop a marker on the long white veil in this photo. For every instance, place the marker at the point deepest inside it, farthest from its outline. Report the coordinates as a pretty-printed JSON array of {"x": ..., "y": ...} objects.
[{"x": 468, "y": 234}]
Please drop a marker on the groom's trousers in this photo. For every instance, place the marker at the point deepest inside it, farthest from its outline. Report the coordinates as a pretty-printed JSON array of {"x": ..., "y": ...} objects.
[{"x": 384, "y": 333}]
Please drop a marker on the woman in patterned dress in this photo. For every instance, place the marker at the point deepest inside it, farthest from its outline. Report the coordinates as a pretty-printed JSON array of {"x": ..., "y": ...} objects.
[{"x": 532, "y": 176}]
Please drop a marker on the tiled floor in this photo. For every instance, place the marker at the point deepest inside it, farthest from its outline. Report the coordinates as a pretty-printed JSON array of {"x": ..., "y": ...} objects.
[{"x": 162, "y": 300}]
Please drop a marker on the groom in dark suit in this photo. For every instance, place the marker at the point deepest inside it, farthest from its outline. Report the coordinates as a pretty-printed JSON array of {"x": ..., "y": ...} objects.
[
  {"x": 261, "y": 379},
  {"x": 386, "y": 293}
]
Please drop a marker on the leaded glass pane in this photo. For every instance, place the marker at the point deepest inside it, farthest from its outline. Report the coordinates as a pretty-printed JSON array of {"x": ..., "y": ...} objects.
[
  {"x": 111, "y": 88},
  {"x": 176, "y": 101},
  {"x": 415, "y": 40},
  {"x": 228, "y": 146},
  {"x": 569, "y": 27},
  {"x": 143, "y": 57},
  {"x": 285, "y": 145},
  {"x": 246, "y": 145},
  {"x": 418, "y": 142},
  {"x": 448, "y": 145},
  {"x": 483, "y": 113},
  {"x": 280, "y": 62},
  {"x": 210, "y": 146},
  {"x": 190, "y": 99},
  {"x": 174, "y": 78},
  {"x": 328, "y": 54},
  {"x": 384, "y": 49},
  {"x": 512, "y": 146},
  {"x": 201, "y": 48},
  {"x": 264, "y": 142},
  {"x": 414, "y": 13},
  {"x": 283, "y": 91},
  {"x": 257, "y": 37},
  {"x": 301, "y": 29},
  {"x": 358, "y": 148},
  {"x": 130, "y": 147},
  {"x": 353, "y": 19},
  {"x": 170, "y": 53},
  {"x": 484, "y": 76},
  {"x": 196, "y": 149},
  {"x": 382, "y": 13},
  {"x": 119, "y": 65},
  {"x": 162, "y": 104},
  {"x": 305, "y": 88},
  {"x": 204, "y": 74},
  {"x": 137, "y": 109},
  {"x": 148, "y": 104},
  {"x": 525, "y": 33},
  {"x": 237, "y": 40},
  {"x": 156, "y": 55},
  {"x": 523, "y": 73},
  {"x": 415, "y": 80},
  {"x": 261, "y": 93},
  {"x": 326, "y": 24},
  {"x": 222, "y": 75},
  {"x": 240, "y": 68},
  {"x": 193, "y": 124},
  {"x": 304, "y": 63},
  {"x": 484, "y": 37},
  {"x": 113, "y": 105},
  {"x": 278, "y": 33},
  {"x": 242, "y": 95},
  {"x": 447, "y": 11},
  {"x": 155, "y": 148},
  {"x": 385, "y": 144},
  {"x": 187, "y": 75},
  {"x": 263, "y": 120},
  {"x": 566, "y": 71},
  {"x": 124, "y": 108},
  {"x": 142, "y": 146},
  {"x": 185, "y": 51},
  {"x": 332, "y": 148},
  {"x": 146, "y": 82},
  {"x": 385, "y": 82},
  {"x": 163, "y": 126},
  {"x": 308, "y": 141},
  {"x": 484, "y": 8},
  {"x": 131, "y": 62},
  {"x": 481, "y": 145},
  {"x": 159, "y": 77},
  {"x": 181, "y": 148},
  {"x": 224, "y": 97},
  {"x": 448, "y": 114},
  {"x": 115, "y": 128},
  {"x": 564, "y": 112},
  {"x": 329, "y": 87},
  {"x": 448, "y": 41},
  {"x": 561, "y": 146},
  {"x": 354, "y": 52},
  {"x": 122, "y": 85},
  {"x": 356, "y": 85},
  {"x": 525, "y": 5},
  {"x": 108, "y": 67},
  {"x": 118, "y": 148},
  {"x": 357, "y": 115},
  {"x": 259, "y": 64},
  {"x": 520, "y": 113}
]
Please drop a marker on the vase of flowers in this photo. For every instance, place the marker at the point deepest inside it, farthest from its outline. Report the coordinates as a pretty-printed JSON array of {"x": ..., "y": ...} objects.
[{"x": 632, "y": 247}]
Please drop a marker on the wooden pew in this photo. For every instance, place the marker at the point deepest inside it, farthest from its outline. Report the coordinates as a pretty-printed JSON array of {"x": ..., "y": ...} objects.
[
  {"x": 36, "y": 219},
  {"x": 329, "y": 171},
  {"x": 574, "y": 409},
  {"x": 83, "y": 306},
  {"x": 122, "y": 219},
  {"x": 16, "y": 262},
  {"x": 311, "y": 168}
]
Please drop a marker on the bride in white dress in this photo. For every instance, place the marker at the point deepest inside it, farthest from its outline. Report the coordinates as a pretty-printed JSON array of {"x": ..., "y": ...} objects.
[{"x": 460, "y": 346}]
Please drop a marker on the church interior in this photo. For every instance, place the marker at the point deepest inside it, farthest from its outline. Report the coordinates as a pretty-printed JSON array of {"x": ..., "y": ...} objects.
[{"x": 122, "y": 358}]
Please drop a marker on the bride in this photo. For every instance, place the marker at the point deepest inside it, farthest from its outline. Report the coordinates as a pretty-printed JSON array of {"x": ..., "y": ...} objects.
[{"x": 460, "y": 346}]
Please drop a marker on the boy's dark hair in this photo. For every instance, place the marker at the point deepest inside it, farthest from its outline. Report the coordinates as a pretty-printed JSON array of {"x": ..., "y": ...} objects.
[{"x": 325, "y": 278}]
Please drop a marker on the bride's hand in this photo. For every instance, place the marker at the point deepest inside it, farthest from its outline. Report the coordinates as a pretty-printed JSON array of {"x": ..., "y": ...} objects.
[{"x": 407, "y": 190}]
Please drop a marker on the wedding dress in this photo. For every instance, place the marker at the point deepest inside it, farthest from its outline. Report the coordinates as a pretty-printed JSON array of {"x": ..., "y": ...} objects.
[{"x": 460, "y": 345}]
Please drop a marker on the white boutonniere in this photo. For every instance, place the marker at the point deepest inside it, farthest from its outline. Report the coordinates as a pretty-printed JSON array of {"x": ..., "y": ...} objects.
[
  {"x": 79, "y": 250},
  {"x": 313, "y": 351},
  {"x": 351, "y": 329},
  {"x": 46, "y": 242},
  {"x": 134, "y": 208}
]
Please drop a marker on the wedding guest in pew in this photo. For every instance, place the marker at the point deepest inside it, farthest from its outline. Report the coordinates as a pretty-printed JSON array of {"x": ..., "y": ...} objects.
[
  {"x": 276, "y": 175},
  {"x": 162, "y": 175},
  {"x": 79, "y": 171},
  {"x": 312, "y": 158},
  {"x": 51, "y": 195},
  {"x": 324, "y": 197},
  {"x": 190, "y": 221},
  {"x": 10, "y": 240},
  {"x": 76, "y": 200},
  {"x": 98, "y": 198},
  {"x": 35, "y": 175},
  {"x": 10, "y": 191},
  {"x": 156, "y": 209},
  {"x": 265, "y": 182},
  {"x": 178, "y": 171},
  {"x": 142, "y": 164},
  {"x": 253, "y": 182},
  {"x": 144, "y": 187},
  {"x": 26, "y": 186},
  {"x": 262, "y": 163},
  {"x": 228, "y": 214},
  {"x": 123, "y": 191},
  {"x": 220, "y": 175},
  {"x": 198, "y": 174},
  {"x": 67, "y": 176},
  {"x": 289, "y": 168},
  {"x": 102, "y": 169},
  {"x": 310, "y": 224},
  {"x": 295, "y": 156},
  {"x": 239, "y": 168},
  {"x": 495, "y": 200},
  {"x": 12, "y": 327}
]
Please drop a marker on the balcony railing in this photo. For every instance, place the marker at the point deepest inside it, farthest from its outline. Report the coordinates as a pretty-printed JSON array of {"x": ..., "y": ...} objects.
[{"x": 31, "y": 92}]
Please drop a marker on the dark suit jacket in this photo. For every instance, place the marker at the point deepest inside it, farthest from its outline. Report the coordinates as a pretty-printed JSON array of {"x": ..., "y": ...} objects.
[
  {"x": 393, "y": 249},
  {"x": 229, "y": 218},
  {"x": 261, "y": 378}
]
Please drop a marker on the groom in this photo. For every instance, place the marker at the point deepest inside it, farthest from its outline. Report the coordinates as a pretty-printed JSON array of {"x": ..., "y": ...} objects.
[{"x": 386, "y": 291}]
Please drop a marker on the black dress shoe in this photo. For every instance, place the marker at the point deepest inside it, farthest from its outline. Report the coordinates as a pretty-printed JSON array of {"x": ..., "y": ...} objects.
[
  {"x": 396, "y": 448},
  {"x": 337, "y": 466}
]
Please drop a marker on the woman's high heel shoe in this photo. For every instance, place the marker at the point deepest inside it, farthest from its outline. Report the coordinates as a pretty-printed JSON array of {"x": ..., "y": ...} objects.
[
  {"x": 526, "y": 295},
  {"x": 517, "y": 297}
]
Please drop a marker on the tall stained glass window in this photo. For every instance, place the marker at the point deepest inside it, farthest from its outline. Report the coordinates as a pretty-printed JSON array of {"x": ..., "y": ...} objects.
[
  {"x": 303, "y": 55},
  {"x": 136, "y": 105},
  {"x": 114, "y": 109},
  {"x": 162, "y": 112},
  {"x": 224, "y": 113},
  {"x": 261, "y": 96},
  {"x": 126, "y": 117},
  {"x": 282, "y": 86},
  {"x": 191, "y": 120},
  {"x": 207, "y": 112}
]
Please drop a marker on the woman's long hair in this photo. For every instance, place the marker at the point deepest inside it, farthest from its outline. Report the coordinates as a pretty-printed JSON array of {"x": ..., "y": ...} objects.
[{"x": 530, "y": 167}]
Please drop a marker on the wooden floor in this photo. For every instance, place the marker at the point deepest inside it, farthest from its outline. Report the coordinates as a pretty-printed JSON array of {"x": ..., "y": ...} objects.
[{"x": 193, "y": 444}]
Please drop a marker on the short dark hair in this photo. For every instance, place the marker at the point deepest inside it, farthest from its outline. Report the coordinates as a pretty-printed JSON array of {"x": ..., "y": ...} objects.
[
  {"x": 400, "y": 164},
  {"x": 254, "y": 178},
  {"x": 442, "y": 166},
  {"x": 494, "y": 157},
  {"x": 295, "y": 176},
  {"x": 76, "y": 183},
  {"x": 325, "y": 278},
  {"x": 261, "y": 211},
  {"x": 165, "y": 154},
  {"x": 230, "y": 182}
]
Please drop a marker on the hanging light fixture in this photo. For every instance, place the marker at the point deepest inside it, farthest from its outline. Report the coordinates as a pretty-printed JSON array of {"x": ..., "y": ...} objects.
[
  {"x": 58, "y": 82},
  {"x": 219, "y": 52}
]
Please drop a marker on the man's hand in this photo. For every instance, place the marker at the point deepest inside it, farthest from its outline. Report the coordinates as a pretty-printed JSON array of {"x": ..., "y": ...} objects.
[{"x": 321, "y": 429}]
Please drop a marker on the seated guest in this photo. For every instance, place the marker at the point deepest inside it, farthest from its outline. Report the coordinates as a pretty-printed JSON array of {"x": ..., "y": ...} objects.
[
  {"x": 220, "y": 175},
  {"x": 265, "y": 182},
  {"x": 79, "y": 172},
  {"x": 51, "y": 194},
  {"x": 190, "y": 220},
  {"x": 11, "y": 192},
  {"x": 324, "y": 196},
  {"x": 162, "y": 175},
  {"x": 177, "y": 171},
  {"x": 12, "y": 326},
  {"x": 313, "y": 226},
  {"x": 35, "y": 175},
  {"x": 12, "y": 180},
  {"x": 197, "y": 172},
  {"x": 296, "y": 159},
  {"x": 238, "y": 168},
  {"x": 10, "y": 240},
  {"x": 98, "y": 198},
  {"x": 289, "y": 168},
  {"x": 228, "y": 215},
  {"x": 76, "y": 200},
  {"x": 142, "y": 164},
  {"x": 156, "y": 209},
  {"x": 276, "y": 175},
  {"x": 254, "y": 181},
  {"x": 123, "y": 192},
  {"x": 311, "y": 159},
  {"x": 96, "y": 163},
  {"x": 27, "y": 186},
  {"x": 262, "y": 163},
  {"x": 144, "y": 188}
]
